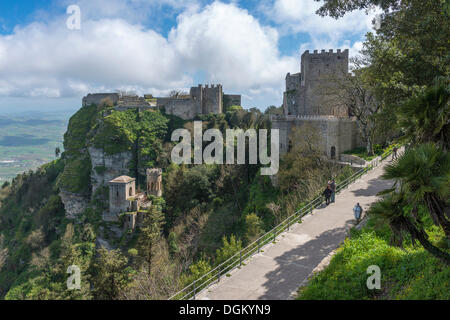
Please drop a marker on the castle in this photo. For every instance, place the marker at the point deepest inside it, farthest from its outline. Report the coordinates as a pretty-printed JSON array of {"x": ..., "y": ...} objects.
[
  {"x": 123, "y": 198},
  {"x": 200, "y": 100},
  {"x": 305, "y": 101}
]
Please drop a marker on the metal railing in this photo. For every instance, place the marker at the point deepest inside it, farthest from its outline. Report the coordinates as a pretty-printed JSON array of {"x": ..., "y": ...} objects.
[{"x": 238, "y": 259}]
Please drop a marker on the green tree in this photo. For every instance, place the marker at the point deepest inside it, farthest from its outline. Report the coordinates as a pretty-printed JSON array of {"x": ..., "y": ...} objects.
[
  {"x": 426, "y": 116},
  {"x": 253, "y": 227},
  {"x": 111, "y": 274},
  {"x": 173, "y": 243},
  {"x": 229, "y": 249},
  {"x": 150, "y": 235}
]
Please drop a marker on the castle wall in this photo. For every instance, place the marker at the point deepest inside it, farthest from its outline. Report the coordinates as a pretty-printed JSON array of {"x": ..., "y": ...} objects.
[
  {"x": 212, "y": 99},
  {"x": 201, "y": 100},
  {"x": 340, "y": 133},
  {"x": 196, "y": 94},
  {"x": 183, "y": 108},
  {"x": 293, "y": 81},
  {"x": 96, "y": 98},
  {"x": 306, "y": 92}
]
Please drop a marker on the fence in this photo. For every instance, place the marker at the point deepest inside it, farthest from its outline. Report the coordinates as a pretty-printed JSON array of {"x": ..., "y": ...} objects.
[{"x": 237, "y": 260}]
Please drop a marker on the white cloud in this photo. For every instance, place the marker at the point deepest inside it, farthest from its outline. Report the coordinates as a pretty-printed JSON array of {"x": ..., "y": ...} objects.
[
  {"x": 231, "y": 46},
  {"x": 114, "y": 50},
  {"x": 105, "y": 53},
  {"x": 299, "y": 16},
  {"x": 223, "y": 42}
]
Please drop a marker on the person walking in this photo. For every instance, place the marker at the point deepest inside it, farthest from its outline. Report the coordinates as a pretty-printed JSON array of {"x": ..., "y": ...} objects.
[
  {"x": 333, "y": 191},
  {"x": 327, "y": 194},
  {"x": 357, "y": 211},
  {"x": 394, "y": 153}
]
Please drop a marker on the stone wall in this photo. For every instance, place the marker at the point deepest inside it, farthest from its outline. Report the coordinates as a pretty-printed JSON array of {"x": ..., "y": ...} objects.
[
  {"x": 96, "y": 98},
  {"x": 293, "y": 81},
  {"x": 201, "y": 100},
  {"x": 212, "y": 99},
  {"x": 183, "y": 108},
  {"x": 307, "y": 92},
  {"x": 337, "y": 134}
]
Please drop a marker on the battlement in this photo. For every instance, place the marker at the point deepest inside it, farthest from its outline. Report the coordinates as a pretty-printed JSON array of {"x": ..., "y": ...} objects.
[{"x": 323, "y": 52}]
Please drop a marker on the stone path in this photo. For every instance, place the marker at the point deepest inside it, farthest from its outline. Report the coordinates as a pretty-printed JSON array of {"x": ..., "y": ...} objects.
[{"x": 278, "y": 271}]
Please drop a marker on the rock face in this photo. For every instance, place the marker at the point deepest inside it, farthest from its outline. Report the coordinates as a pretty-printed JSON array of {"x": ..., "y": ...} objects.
[
  {"x": 107, "y": 167},
  {"x": 74, "y": 204}
]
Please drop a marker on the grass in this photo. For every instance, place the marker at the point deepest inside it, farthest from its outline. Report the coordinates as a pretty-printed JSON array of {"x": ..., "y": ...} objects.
[
  {"x": 361, "y": 152},
  {"x": 409, "y": 273}
]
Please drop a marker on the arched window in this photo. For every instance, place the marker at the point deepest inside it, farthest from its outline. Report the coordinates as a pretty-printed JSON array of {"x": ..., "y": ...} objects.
[
  {"x": 130, "y": 191},
  {"x": 290, "y": 146},
  {"x": 333, "y": 152},
  {"x": 151, "y": 186}
]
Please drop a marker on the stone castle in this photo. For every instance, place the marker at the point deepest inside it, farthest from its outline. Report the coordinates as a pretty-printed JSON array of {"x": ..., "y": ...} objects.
[
  {"x": 305, "y": 101},
  {"x": 200, "y": 100}
]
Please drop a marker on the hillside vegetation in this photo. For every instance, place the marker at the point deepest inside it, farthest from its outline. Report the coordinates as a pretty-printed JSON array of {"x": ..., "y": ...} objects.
[
  {"x": 206, "y": 214},
  {"x": 406, "y": 64}
]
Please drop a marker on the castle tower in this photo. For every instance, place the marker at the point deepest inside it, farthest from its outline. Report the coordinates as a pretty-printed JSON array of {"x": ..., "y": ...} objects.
[
  {"x": 154, "y": 182},
  {"x": 121, "y": 191},
  {"x": 306, "y": 92}
]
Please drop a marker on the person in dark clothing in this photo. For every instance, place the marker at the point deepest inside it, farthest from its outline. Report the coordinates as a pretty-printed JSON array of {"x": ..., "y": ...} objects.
[
  {"x": 327, "y": 193},
  {"x": 333, "y": 191},
  {"x": 357, "y": 211},
  {"x": 394, "y": 153}
]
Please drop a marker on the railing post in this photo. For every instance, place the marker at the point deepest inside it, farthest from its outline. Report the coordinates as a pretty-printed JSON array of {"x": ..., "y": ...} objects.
[
  {"x": 195, "y": 289},
  {"x": 274, "y": 234},
  {"x": 220, "y": 271},
  {"x": 240, "y": 258},
  {"x": 258, "y": 244},
  {"x": 288, "y": 224}
]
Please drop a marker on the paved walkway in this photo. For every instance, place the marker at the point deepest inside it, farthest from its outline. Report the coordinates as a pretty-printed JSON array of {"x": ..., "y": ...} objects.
[{"x": 278, "y": 271}]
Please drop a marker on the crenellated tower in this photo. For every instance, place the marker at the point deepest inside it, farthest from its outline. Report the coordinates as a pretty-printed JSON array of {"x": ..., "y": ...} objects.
[{"x": 306, "y": 92}]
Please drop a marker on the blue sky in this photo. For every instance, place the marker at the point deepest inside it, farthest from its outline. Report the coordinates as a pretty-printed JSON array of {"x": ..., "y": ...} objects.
[{"x": 159, "y": 45}]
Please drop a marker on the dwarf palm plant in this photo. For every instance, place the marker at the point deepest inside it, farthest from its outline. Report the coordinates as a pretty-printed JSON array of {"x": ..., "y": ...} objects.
[
  {"x": 421, "y": 187},
  {"x": 426, "y": 117}
]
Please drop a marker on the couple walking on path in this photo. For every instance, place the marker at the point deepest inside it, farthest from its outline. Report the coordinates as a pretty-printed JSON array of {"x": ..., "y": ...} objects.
[{"x": 330, "y": 192}]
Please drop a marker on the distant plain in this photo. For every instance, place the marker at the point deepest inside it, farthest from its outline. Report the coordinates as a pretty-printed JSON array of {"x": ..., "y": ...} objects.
[{"x": 28, "y": 140}]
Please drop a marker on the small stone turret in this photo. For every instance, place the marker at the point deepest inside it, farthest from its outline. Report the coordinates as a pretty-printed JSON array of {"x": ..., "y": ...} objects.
[{"x": 154, "y": 182}]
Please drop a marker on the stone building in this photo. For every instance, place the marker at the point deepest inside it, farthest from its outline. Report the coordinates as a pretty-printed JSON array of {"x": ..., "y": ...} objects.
[
  {"x": 307, "y": 101},
  {"x": 154, "y": 182},
  {"x": 122, "y": 191},
  {"x": 200, "y": 100},
  {"x": 123, "y": 198}
]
